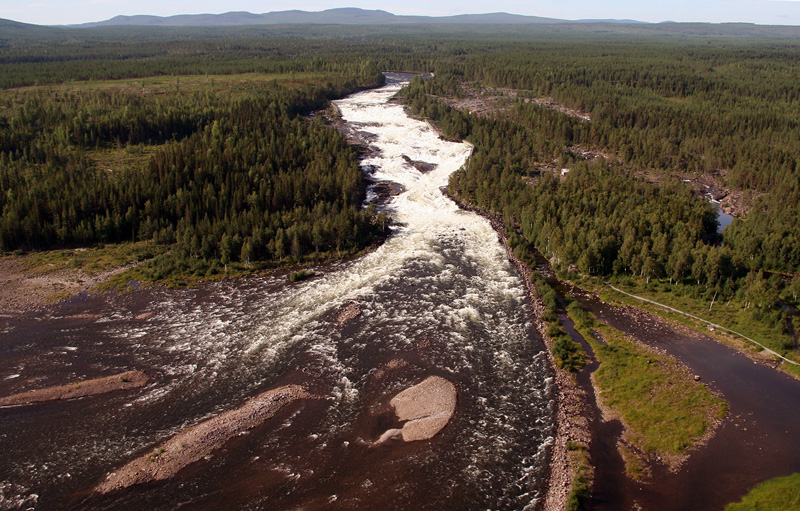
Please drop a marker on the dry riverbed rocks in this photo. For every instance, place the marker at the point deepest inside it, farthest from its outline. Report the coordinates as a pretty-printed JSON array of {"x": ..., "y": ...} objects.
[{"x": 426, "y": 407}]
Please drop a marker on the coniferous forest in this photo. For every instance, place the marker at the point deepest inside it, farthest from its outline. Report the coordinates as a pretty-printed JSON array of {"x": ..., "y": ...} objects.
[
  {"x": 220, "y": 169},
  {"x": 201, "y": 140}
]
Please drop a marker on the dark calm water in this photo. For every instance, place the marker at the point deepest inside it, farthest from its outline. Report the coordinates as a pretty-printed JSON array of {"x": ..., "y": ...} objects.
[{"x": 437, "y": 298}]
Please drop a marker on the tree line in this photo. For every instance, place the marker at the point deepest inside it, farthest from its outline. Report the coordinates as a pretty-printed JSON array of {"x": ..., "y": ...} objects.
[
  {"x": 602, "y": 217},
  {"x": 229, "y": 178}
]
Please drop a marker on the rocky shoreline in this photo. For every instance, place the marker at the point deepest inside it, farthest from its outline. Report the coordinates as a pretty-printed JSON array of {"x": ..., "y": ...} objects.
[{"x": 572, "y": 414}]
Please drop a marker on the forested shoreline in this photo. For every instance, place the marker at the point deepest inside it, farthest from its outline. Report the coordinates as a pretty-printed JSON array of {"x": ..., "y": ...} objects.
[
  {"x": 601, "y": 216},
  {"x": 238, "y": 175}
]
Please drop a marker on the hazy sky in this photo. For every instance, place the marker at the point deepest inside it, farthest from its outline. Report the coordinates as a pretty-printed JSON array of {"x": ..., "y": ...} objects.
[{"x": 771, "y": 12}]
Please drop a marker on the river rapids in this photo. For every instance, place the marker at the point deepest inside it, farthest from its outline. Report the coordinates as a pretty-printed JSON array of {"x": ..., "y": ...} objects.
[{"x": 437, "y": 298}]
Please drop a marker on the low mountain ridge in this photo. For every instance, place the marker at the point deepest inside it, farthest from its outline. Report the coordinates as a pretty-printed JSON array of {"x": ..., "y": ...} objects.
[{"x": 339, "y": 16}]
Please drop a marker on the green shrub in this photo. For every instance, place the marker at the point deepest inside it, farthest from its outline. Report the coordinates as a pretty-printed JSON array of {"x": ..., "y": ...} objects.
[
  {"x": 300, "y": 275},
  {"x": 580, "y": 316},
  {"x": 567, "y": 354},
  {"x": 550, "y": 316},
  {"x": 578, "y": 498},
  {"x": 554, "y": 330}
]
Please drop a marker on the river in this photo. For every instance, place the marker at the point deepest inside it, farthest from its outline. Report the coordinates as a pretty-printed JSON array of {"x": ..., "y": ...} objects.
[{"x": 437, "y": 298}]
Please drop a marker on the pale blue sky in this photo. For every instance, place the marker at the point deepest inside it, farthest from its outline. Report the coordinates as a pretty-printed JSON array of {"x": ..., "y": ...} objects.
[{"x": 770, "y": 12}]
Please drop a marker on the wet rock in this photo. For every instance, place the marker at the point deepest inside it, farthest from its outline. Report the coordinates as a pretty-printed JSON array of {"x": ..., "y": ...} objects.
[
  {"x": 351, "y": 311},
  {"x": 422, "y": 166},
  {"x": 385, "y": 191},
  {"x": 392, "y": 365},
  {"x": 388, "y": 434}
]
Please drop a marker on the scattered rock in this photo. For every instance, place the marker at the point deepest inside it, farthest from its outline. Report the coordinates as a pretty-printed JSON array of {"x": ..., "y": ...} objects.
[
  {"x": 395, "y": 363},
  {"x": 351, "y": 311},
  {"x": 122, "y": 381},
  {"x": 385, "y": 191}
]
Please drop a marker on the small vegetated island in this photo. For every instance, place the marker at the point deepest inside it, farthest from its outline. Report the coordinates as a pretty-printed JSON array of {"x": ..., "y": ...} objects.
[{"x": 204, "y": 152}]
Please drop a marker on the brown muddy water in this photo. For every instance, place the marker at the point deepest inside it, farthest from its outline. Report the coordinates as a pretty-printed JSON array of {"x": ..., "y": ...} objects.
[{"x": 438, "y": 298}]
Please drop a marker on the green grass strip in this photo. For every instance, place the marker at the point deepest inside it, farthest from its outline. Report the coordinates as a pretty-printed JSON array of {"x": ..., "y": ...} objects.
[
  {"x": 771, "y": 352},
  {"x": 782, "y": 493}
]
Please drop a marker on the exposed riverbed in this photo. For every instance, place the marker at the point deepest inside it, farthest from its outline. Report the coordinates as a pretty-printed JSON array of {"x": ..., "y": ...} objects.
[{"x": 438, "y": 298}]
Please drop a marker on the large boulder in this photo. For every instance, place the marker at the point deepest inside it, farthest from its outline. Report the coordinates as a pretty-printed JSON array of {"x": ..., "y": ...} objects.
[{"x": 426, "y": 407}]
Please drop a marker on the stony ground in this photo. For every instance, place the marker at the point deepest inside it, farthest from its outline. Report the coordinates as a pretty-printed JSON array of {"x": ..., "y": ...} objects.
[{"x": 28, "y": 287}]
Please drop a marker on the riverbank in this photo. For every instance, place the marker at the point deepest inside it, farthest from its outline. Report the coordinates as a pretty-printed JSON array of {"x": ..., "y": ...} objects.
[
  {"x": 438, "y": 299},
  {"x": 709, "y": 475},
  {"x": 35, "y": 280},
  {"x": 572, "y": 412}
]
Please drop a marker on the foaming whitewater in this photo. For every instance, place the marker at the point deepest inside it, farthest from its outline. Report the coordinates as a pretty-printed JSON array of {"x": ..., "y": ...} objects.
[{"x": 437, "y": 298}]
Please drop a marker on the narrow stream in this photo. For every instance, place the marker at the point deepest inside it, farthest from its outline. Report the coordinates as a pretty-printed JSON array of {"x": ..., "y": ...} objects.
[{"x": 438, "y": 298}]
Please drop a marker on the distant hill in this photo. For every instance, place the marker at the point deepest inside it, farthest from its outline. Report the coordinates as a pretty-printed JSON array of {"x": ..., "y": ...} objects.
[
  {"x": 15, "y": 31},
  {"x": 342, "y": 16}
]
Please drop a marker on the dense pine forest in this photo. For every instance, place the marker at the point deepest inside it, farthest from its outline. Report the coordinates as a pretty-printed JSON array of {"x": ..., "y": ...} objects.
[
  {"x": 632, "y": 125},
  {"x": 200, "y": 140},
  {"x": 220, "y": 168}
]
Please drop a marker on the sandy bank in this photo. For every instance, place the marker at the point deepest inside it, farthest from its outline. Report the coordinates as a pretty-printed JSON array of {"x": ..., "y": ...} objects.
[
  {"x": 196, "y": 442},
  {"x": 122, "y": 381}
]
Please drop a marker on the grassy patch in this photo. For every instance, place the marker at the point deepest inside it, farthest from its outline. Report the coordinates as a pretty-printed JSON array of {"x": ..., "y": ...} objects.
[
  {"x": 635, "y": 467},
  {"x": 578, "y": 498},
  {"x": 729, "y": 314},
  {"x": 567, "y": 354},
  {"x": 665, "y": 410},
  {"x": 781, "y": 493},
  {"x": 91, "y": 260},
  {"x": 129, "y": 158}
]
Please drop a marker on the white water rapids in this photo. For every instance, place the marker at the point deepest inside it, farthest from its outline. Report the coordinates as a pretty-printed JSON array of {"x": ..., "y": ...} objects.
[{"x": 438, "y": 297}]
